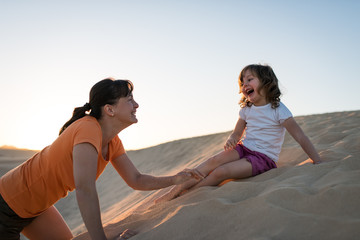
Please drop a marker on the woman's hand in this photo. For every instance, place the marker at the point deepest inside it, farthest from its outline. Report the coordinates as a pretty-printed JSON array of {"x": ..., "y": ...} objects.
[
  {"x": 317, "y": 161},
  {"x": 139, "y": 181},
  {"x": 126, "y": 234},
  {"x": 309, "y": 160},
  {"x": 186, "y": 175}
]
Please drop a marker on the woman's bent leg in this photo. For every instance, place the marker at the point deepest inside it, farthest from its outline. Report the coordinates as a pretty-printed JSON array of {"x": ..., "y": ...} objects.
[{"x": 49, "y": 225}]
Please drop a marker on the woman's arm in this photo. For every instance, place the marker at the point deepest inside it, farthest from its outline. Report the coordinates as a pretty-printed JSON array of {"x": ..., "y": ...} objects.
[
  {"x": 139, "y": 181},
  {"x": 296, "y": 132},
  {"x": 235, "y": 135},
  {"x": 85, "y": 159}
]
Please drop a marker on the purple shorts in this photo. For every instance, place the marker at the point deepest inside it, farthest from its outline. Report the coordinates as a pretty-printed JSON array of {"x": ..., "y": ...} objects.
[{"x": 259, "y": 161}]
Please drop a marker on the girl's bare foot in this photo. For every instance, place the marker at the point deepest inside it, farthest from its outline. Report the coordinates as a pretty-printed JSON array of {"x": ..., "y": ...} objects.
[
  {"x": 175, "y": 191},
  {"x": 171, "y": 194},
  {"x": 181, "y": 189}
]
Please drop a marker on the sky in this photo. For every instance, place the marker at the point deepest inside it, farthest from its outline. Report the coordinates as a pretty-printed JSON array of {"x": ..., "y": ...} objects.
[{"x": 183, "y": 57}]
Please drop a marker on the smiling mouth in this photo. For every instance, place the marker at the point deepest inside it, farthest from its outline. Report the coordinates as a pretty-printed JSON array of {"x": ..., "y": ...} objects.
[{"x": 250, "y": 91}]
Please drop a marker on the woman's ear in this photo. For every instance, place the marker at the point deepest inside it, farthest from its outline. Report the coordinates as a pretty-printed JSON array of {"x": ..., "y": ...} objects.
[{"x": 109, "y": 110}]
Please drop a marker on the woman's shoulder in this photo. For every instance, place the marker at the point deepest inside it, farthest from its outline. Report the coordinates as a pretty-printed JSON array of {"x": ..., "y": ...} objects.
[
  {"x": 87, "y": 121},
  {"x": 116, "y": 147},
  {"x": 84, "y": 127}
]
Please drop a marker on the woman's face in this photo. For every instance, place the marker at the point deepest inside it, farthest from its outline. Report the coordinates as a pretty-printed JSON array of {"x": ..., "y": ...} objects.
[{"x": 125, "y": 110}]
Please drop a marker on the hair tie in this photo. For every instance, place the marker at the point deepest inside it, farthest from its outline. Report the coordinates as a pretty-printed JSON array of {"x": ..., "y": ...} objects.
[{"x": 87, "y": 106}]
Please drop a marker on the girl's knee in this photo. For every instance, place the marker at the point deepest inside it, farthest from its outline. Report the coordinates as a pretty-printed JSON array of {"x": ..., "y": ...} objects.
[
  {"x": 214, "y": 161},
  {"x": 219, "y": 173},
  {"x": 223, "y": 158},
  {"x": 206, "y": 167}
]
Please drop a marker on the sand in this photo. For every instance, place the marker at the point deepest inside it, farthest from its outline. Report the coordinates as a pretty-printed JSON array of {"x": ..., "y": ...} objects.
[{"x": 298, "y": 200}]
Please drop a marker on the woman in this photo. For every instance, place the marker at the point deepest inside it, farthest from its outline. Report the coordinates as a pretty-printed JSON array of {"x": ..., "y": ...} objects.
[{"x": 86, "y": 143}]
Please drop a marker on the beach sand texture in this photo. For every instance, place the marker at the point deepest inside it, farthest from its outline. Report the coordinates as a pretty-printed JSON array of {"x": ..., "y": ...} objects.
[{"x": 294, "y": 201}]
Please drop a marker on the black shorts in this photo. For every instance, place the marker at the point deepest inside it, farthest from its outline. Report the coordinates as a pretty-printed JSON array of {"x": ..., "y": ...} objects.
[{"x": 11, "y": 224}]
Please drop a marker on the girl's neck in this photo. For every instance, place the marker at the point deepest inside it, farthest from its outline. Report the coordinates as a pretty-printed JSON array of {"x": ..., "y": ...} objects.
[{"x": 261, "y": 103}]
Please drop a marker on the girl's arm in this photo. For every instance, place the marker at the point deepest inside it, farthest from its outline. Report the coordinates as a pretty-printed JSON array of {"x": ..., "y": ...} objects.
[
  {"x": 235, "y": 136},
  {"x": 85, "y": 167},
  {"x": 139, "y": 181},
  {"x": 296, "y": 132}
]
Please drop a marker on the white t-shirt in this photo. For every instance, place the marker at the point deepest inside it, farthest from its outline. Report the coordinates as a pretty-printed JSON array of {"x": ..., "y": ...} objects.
[{"x": 264, "y": 132}]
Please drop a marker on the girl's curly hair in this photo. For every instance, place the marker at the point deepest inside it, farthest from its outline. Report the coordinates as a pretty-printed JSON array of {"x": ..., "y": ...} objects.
[{"x": 268, "y": 82}]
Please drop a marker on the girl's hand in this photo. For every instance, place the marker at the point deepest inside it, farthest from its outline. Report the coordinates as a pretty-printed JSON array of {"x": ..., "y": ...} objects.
[
  {"x": 186, "y": 175},
  {"x": 126, "y": 234},
  {"x": 230, "y": 143}
]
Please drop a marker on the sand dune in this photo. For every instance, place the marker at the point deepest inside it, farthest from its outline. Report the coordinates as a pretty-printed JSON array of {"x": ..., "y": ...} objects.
[
  {"x": 292, "y": 202},
  {"x": 11, "y": 157}
]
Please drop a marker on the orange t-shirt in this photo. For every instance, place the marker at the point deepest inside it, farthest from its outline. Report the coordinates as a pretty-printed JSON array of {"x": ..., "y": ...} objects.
[{"x": 38, "y": 183}]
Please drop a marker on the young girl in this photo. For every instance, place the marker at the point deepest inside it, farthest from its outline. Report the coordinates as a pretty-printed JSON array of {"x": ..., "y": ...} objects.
[
  {"x": 86, "y": 144},
  {"x": 255, "y": 143}
]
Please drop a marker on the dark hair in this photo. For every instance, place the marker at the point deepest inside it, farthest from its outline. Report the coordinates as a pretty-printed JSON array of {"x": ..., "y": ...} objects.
[
  {"x": 268, "y": 82},
  {"x": 107, "y": 91}
]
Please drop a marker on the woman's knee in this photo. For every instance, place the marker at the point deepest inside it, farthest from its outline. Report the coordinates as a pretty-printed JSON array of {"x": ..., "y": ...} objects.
[{"x": 48, "y": 225}]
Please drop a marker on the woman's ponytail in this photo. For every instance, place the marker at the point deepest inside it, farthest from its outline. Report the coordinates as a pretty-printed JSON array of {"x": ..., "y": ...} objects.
[{"x": 78, "y": 113}]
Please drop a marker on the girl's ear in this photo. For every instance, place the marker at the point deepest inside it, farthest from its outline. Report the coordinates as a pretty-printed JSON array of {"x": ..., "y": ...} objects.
[{"x": 109, "y": 110}]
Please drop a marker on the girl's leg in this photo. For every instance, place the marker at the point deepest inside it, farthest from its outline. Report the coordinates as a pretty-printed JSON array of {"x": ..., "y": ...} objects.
[
  {"x": 232, "y": 170},
  {"x": 217, "y": 160},
  {"x": 204, "y": 168},
  {"x": 49, "y": 225}
]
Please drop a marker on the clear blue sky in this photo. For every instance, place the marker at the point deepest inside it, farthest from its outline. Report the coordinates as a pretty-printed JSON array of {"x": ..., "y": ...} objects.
[{"x": 183, "y": 57}]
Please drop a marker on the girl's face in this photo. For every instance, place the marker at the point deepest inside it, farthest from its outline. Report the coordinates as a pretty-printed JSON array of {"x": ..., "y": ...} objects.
[
  {"x": 250, "y": 88},
  {"x": 125, "y": 110}
]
